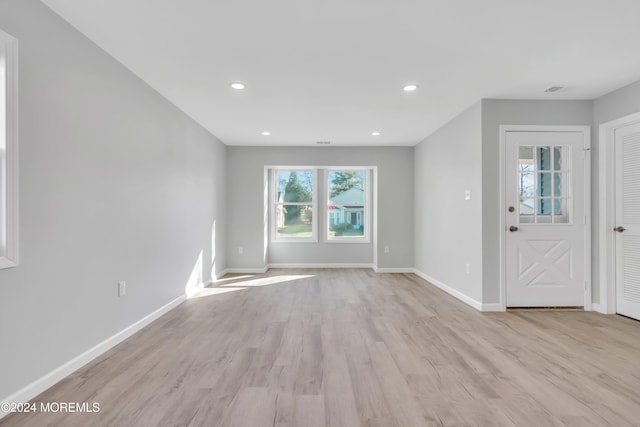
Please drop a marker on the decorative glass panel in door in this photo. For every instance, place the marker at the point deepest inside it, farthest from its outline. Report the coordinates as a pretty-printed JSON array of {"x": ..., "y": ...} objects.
[{"x": 544, "y": 185}]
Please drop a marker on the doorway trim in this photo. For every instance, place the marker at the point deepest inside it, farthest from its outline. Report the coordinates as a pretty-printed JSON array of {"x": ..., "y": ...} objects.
[
  {"x": 586, "y": 134},
  {"x": 606, "y": 211}
]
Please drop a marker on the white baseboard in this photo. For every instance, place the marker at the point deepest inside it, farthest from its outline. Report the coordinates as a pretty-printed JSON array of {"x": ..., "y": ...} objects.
[
  {"x": 247, "y": 270},
  {"x": 321, "y": 265},
  {"x": 316, "y": 265},
  {"x": 38, "y": 386},
  {"x": 242, "y": 270},
  {"x": 492, "y": 307},
  {"x": 453, "y": 292},
  {"x": 393, "y": 270},
  {"x": 599, "y": 308},
  {"x": 220, "y": 274}
]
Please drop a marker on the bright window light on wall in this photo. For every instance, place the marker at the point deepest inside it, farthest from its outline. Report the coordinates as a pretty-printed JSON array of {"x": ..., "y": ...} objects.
[{"x": 8, "y": 151}]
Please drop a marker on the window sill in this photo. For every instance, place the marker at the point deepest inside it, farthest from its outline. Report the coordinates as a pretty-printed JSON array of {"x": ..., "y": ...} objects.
[
  {"x": 294, "y": 241},
  {"x": 348, "y": 240}
]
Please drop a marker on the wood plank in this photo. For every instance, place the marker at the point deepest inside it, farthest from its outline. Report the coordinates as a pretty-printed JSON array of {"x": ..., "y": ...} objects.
[{"x": 354, "y": 348}]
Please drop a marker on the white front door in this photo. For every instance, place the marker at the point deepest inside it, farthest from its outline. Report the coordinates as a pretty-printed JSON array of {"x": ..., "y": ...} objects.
[
  {"x": 545, "y": 218},
  {"x": 627, "y": 230}
]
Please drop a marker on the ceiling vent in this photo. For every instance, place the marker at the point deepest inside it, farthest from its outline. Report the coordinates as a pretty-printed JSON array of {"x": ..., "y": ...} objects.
[
  {"x": 323, "y": 142},
  {"x": 554, "y": 89}
]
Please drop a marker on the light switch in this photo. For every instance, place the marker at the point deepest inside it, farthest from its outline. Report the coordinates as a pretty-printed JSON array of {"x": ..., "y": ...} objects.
[{"x": 467, "y": 194}]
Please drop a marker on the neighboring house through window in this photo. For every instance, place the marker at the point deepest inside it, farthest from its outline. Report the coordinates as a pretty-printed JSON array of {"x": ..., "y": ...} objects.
[
  {"x": 347, "y": 207},
  {"x": 344, "y": 204}
]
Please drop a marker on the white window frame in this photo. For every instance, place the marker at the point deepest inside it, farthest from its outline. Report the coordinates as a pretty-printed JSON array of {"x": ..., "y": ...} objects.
[
  {"x": 273, "y": 170},
  {"x": 8, "y": 151},
  {"x": 366, "y": 237}
]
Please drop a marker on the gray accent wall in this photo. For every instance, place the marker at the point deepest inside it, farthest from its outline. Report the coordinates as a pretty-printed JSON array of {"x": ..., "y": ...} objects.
[
  {"x": 116, "y": 184},
  {"x": 614, "y": 105},
  {"x": 511, "y": 112},
  {"x": 448, "y": 228},
  {"x": 246, "y": 210}
]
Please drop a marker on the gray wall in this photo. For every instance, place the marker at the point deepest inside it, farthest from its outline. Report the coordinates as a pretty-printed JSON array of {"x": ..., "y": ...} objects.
[
  {"x": 115, "y": 184},
  {"x": 507, "y": 112},
  {"x": 246, "y": 206},
  {"x": 448, "y": 229},
  {"x": 614, "y": 105}
]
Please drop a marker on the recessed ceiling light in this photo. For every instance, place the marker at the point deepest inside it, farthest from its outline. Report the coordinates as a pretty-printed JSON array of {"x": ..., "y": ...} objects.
[
  {"x": 237, "y": 86},
  {"x": 376, "y": 133},
  {"x": 553, "y": 89},
  {"x": 410, "y": 88},
  {"x": 266, "y": 133}
]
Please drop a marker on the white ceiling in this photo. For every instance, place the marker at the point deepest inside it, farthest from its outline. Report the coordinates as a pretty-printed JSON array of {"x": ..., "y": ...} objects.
[{"x": 333, "y": 70}]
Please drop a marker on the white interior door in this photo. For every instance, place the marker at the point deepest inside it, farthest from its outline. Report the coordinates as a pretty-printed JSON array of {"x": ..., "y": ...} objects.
[
  {"x": 545, "y": 219},
  {"x": 627, "y": 230}
]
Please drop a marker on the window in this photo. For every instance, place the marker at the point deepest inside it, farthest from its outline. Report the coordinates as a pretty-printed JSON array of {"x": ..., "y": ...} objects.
[
  {"x": 294, "y": 213},
  {"x": 544, "y": 185},
  {"x": 305, "y": 199},
  {"x": 347, "y": 205},
  {"x": 8, "y": 152}
]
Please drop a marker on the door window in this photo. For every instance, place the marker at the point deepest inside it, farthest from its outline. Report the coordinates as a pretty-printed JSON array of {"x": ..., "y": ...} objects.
[{"x": 544, "y": 186}]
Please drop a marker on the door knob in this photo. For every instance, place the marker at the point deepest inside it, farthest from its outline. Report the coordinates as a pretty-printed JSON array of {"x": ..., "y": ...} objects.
[
  {"x": 513, "y": 228},
  {"x": 619, "y": 229}
]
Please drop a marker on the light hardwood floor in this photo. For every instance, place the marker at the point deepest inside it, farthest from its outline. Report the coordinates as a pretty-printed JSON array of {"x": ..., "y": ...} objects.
[{"x": 354, "y": 348}]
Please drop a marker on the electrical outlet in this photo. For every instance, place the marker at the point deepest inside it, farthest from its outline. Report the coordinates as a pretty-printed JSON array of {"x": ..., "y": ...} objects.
[
  {"x": 240, "y": 250},
  {"x": 386, "y": 249},
  {"x": 122, "y": 288}
]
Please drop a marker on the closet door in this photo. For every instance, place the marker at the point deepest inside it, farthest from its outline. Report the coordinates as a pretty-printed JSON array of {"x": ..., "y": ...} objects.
[{"x": 627, "y": 227}]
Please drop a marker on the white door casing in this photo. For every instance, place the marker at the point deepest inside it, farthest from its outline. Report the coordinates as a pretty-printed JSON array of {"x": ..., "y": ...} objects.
[
  {"x": 545, "y": 205},
  {"x": 627, "y": 213}
]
